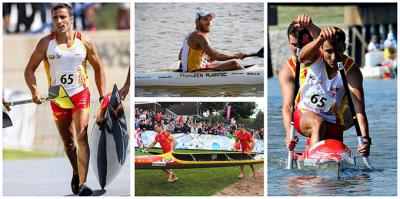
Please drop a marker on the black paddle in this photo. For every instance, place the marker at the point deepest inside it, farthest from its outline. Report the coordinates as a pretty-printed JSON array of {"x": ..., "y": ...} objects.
[
  {"x": 260, "y": 54},
  {"x": 57, "y": 95},
  {"x": 295, "y": 91},
  {"x": 150, "y": 152},
  {"x": 6, "y": 120},
  {"x": 350, "y": 101}
]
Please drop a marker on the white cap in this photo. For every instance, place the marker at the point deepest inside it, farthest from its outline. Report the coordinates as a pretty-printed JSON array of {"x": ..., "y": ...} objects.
[{"x": 203, "y": 14}]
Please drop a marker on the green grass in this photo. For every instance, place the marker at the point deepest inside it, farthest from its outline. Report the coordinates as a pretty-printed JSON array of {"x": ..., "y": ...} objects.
[
  {"x": 12, "y": 154},
  {"x": 321, "y": 15},
  {"x": 192, "y": 182},
  {"x": 106, "y": 16}
]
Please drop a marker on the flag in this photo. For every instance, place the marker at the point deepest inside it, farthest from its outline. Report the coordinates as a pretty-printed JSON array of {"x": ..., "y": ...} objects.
[{"x": 228, "y": 112}]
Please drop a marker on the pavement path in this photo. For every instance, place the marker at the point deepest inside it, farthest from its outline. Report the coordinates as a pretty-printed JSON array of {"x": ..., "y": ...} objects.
[{"x": 52, "y": 177}]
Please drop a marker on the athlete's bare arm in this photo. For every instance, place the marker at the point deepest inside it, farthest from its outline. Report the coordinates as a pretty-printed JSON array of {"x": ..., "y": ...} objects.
[
  {"x": 355, "y": 80},
  {"x": 202, "y": 41},
  {"x": 123, "y": 92},
  {"x": 150, "y": 146},
  {"x": 173, "y": 142},
  {"x": 311, "y": 52},
  {"x": 253, "y": 144},
  {"x": 37, "y": 56},
  {"x": 306, "y": 22},
  {"x": 180, "y": 55},
  {"x": 98, "y": 68},
  {"x": 286, "y": 82}
]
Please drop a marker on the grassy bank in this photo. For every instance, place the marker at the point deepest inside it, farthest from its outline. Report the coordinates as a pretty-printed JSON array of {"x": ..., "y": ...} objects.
[
  {"x": 12, "y": 154},
  {"x": 192, "y": 182},
  {"x": 321, "y": 15}
]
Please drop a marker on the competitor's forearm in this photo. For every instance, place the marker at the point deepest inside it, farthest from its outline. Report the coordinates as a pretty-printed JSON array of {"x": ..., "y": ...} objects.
[
  {"x": 222, "y": 57},
  {"x": 314, "y": 30},
  {"x": 287, "y": 119},
  {"x": 363, "y": 122},
  {"x": 310, "y": 51},
  {"x": 30, "y": 80}
]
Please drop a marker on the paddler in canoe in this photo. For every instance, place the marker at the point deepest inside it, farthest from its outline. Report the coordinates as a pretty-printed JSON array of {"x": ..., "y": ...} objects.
[
  {"x": 320, "y": 104},
  {"x": 197, "y": 53},
  {"x": 65, "y": 53},
  {"x": 167, "y": 143}
]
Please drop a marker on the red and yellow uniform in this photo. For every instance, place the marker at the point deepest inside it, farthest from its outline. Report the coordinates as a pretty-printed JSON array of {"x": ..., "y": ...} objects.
[
  {"x": 163, "y": 139},
  {"x": 322, "y": 95},
  {"x": 245, "y": 141},
  {"x": 66, "y": 66}
]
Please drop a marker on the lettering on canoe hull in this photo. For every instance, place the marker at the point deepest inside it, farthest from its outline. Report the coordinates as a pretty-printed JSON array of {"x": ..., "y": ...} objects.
[
  {"x": 253, "y": 73},
  {"x": 216, "y": 74},
  {"x": 191, "y": 75}
]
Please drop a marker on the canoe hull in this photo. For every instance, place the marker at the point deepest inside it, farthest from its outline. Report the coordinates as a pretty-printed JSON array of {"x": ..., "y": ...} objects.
[
  {"x": 170, "y": 161},
  {"x": 249, "y": 76},
  {"x": 327, "y": 154},
  {"x": 109, "y": 142}
]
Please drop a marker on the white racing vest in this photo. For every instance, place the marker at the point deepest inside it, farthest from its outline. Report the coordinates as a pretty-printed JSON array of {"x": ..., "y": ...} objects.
[
  {"x": 67, "y": 66},
  {"x": 320, "y": 94}
]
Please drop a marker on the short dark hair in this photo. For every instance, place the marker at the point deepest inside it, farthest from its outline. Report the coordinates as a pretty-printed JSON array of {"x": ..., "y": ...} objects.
[
  {"x": 62, "y": 5},
  {"x": 340, "y": 36},
  {"x": 295, "y": 31}
]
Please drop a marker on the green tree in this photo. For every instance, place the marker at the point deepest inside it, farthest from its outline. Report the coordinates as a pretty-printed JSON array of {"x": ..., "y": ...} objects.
[
  {"x": 169, "y": 104},
  {"x": 258, "y": 122}
]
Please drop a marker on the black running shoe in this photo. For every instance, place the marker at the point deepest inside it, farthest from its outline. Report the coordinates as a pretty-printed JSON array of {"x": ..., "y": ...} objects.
[
  {"x": 85, "y": 191},
  {"x": 75, "y": 184}
]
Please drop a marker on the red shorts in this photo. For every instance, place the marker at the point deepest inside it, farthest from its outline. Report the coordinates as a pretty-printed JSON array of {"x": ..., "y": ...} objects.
[
  {"x": 81, "y": 100},
  {"x": 334, "y": 131}
]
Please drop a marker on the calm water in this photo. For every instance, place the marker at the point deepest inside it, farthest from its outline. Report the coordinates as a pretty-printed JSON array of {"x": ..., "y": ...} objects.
[
  {"x": 381, "y": 108},
  {"x": 160, "y": 30}
]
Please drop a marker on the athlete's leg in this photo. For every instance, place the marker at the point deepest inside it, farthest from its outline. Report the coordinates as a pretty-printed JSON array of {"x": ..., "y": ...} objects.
[
  {"x": 230, "y": 65},
  {"x": 252, "y": 169},
  {"x": 67, "y": 133},
  {"x": 241, "y": 172},
  {"x": 81, "y": 119},
  {"x": 313, "y": 126}
]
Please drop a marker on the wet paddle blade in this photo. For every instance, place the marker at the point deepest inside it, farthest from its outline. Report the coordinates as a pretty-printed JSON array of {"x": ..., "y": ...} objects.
[
  {"x": 59, "y": 96},
  {"x": 6, "y": 120}
]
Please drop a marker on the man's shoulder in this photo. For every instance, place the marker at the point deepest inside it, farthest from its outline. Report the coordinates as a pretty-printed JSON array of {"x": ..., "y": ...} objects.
[
  {"x": 197, "y": 35},
  {"x": 47, "y": 38}
]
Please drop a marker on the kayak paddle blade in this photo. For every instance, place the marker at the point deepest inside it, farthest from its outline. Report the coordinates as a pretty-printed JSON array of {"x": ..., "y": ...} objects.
[
  {"x": 6, "y": 120},
  {"x": 59, "y": 96}
]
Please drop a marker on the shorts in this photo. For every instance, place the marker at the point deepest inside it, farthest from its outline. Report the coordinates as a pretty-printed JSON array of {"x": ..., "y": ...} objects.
[
  {"x": 334, "y": 131},
  {"x": 81, "y": 100}
]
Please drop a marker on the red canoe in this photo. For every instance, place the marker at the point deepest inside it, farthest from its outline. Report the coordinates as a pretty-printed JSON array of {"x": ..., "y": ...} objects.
[{"x": 326, "y": 154}]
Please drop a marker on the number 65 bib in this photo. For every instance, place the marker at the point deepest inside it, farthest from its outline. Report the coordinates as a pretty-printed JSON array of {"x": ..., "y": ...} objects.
[
  {"x": 316, "y": 99},
  {"x": 70, "y": 79}
]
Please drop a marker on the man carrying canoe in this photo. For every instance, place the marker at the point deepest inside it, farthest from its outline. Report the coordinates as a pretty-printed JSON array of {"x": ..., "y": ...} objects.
[
  {"x": 167, "y": 143},
  {"x": 321, "y": 102},
  {"x": 197, "y": 53},
  {"x": 65, "y": 53},
  {"x": 247, "y": 144}
]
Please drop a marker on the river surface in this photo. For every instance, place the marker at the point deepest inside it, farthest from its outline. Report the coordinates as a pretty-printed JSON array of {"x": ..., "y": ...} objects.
[
  {"x": 161, "y": 27},
  {"x": 381, "y": 108}
]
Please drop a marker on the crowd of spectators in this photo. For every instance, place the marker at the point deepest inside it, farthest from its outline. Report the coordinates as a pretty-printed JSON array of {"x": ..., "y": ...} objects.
[
  {"x": 84, "y": 16},
  {"x": 389, "y": 48},
  {"x": 146, "y": 119}
]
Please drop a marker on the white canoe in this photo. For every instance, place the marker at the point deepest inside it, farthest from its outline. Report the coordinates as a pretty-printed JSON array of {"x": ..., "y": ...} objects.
[{"x": 250, "y": 75}]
